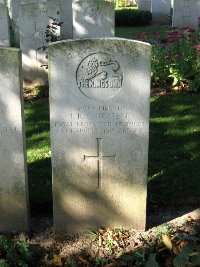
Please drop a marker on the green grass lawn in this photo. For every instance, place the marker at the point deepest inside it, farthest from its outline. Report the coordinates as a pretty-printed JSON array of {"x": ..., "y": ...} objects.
[
  {"x": 174, "y": 155},
  {"x": 38, "y": 152},
  {"x": 131, "y": 32}
]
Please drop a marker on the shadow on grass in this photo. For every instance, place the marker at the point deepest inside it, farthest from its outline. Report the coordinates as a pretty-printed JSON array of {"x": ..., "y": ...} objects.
[
  {"x": 39, "y": 156},
  {"x": 174, "y": 155},
  {"x": 40, "y": 187}
]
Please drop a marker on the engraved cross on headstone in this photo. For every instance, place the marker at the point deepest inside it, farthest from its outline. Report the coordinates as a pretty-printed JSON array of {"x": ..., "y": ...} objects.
[{"x": 99, "y": 159}]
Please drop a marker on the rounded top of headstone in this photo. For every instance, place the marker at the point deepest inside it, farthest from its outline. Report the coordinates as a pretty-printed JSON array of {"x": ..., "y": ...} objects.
[{"x": 98, "y": 40}]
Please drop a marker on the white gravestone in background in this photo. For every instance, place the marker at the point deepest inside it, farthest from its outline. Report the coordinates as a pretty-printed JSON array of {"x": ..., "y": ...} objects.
[
  {"x": 185, "y": 14},
  {"x": 99, "y": 113},
  {"x": 199, "y": 10},
  {"x": 14, "y": 9},
  {"x": 93, "y": 19},
  {"x": 4, "y": 25},
  {"x": 161, "y": 11},
  {"x": 144, "y": 5},
  {"x": 14, "y": 213},
  {"x": 64, "y": 7},
  {"x": 13, "y": 6},
  {"x": 34, "y": 19}
]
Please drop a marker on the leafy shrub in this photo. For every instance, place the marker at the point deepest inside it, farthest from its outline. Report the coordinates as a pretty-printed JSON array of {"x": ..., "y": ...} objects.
[
  {"x": 13, "y": 254},
  {"x": 52, "y": 34},
  {"x": 124, "y": 3},
  {"x": 132, "y": 17},
  {"x": 176, "y": 59}
]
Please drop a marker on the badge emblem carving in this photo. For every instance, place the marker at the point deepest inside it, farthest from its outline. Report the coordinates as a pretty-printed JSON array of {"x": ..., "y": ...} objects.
[{"x": 99, "y": 76}]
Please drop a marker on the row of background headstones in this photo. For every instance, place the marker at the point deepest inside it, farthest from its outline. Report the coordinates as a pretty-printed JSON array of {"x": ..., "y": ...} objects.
[
  {"x": 185, "y": 12},
  {"x": 4, "y": 25},
  {"x": 31, "y": 17},
  {"x": 91, "y": 19}
]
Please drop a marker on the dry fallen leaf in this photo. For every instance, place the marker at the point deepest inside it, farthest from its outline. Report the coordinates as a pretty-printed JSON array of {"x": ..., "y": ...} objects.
[
  {"x": 176, "y": 250},
  {"x": 166, "y": 240},
  {"x": 56, "y": 261},
  {"x": 100, "y": 241}
]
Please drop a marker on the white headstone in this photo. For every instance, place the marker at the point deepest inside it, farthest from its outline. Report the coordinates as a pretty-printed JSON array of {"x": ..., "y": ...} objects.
[
  {"x": 99, "y": 112},
  {"x": 33, "y": 21},
  {"x": 61, "y": 9},
  {"x": 64, "y": 8},
  {"x": 93, "y": 19},
  {"x": 199, "y": 10},
  {"x": 144, "y": 5},
  {"x": 13, "y": 6},
  {"x": 4, "y": 25},
  {"x": 32, "y": 1},
  {"x": 161, "y": 11},
  {"x": 14, "y": 214},
  {"x": 185, "y": 14}
]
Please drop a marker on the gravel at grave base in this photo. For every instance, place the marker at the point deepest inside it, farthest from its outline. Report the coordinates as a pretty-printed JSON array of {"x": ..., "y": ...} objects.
[{"x": 43, "y": 241}]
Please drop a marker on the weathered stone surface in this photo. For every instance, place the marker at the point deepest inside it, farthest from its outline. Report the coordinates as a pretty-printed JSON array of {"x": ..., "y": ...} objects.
[
  {"x": 64, "y": 8},
  {"x": 99, "y": 109},
  {"x": 33, "y": 21},
  {"x": 185, "y": 13},
  {"x": 4, "y": 25},
  {"x": 144, "y": 5},
  {"x": 93, "y": 19},
  {"x": 61, "y": 9},
  {"x": 32, "y": 1},
  {"x": 14, "y": 215},
  {"x": 161, "y": 11},
  {"x": 13, "y": 6},
  {"x": 198, "y": 2}
]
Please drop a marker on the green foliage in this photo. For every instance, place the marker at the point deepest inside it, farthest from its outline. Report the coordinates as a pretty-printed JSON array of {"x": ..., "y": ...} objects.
[
  {"x": 162, "y": 229},
  {"x": 143, "y": 256},
  {"x": 132, "y": 17},
  {"x": 91, "y": 234},
  {"x": 71, "y": 261},
  {"x": 102, "y": 261},
  {"x": 14, "y": 254},
  {"x": 183, "y": 257},
  {"x": 151, "y": 262},
  {"x": 195, "y": 259},
  {"x": 123, "y": 3},
  {"x": 153, "y": 250},
  {"x": 52, "y": 34},
  {"x": 176, "y": 59}
]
